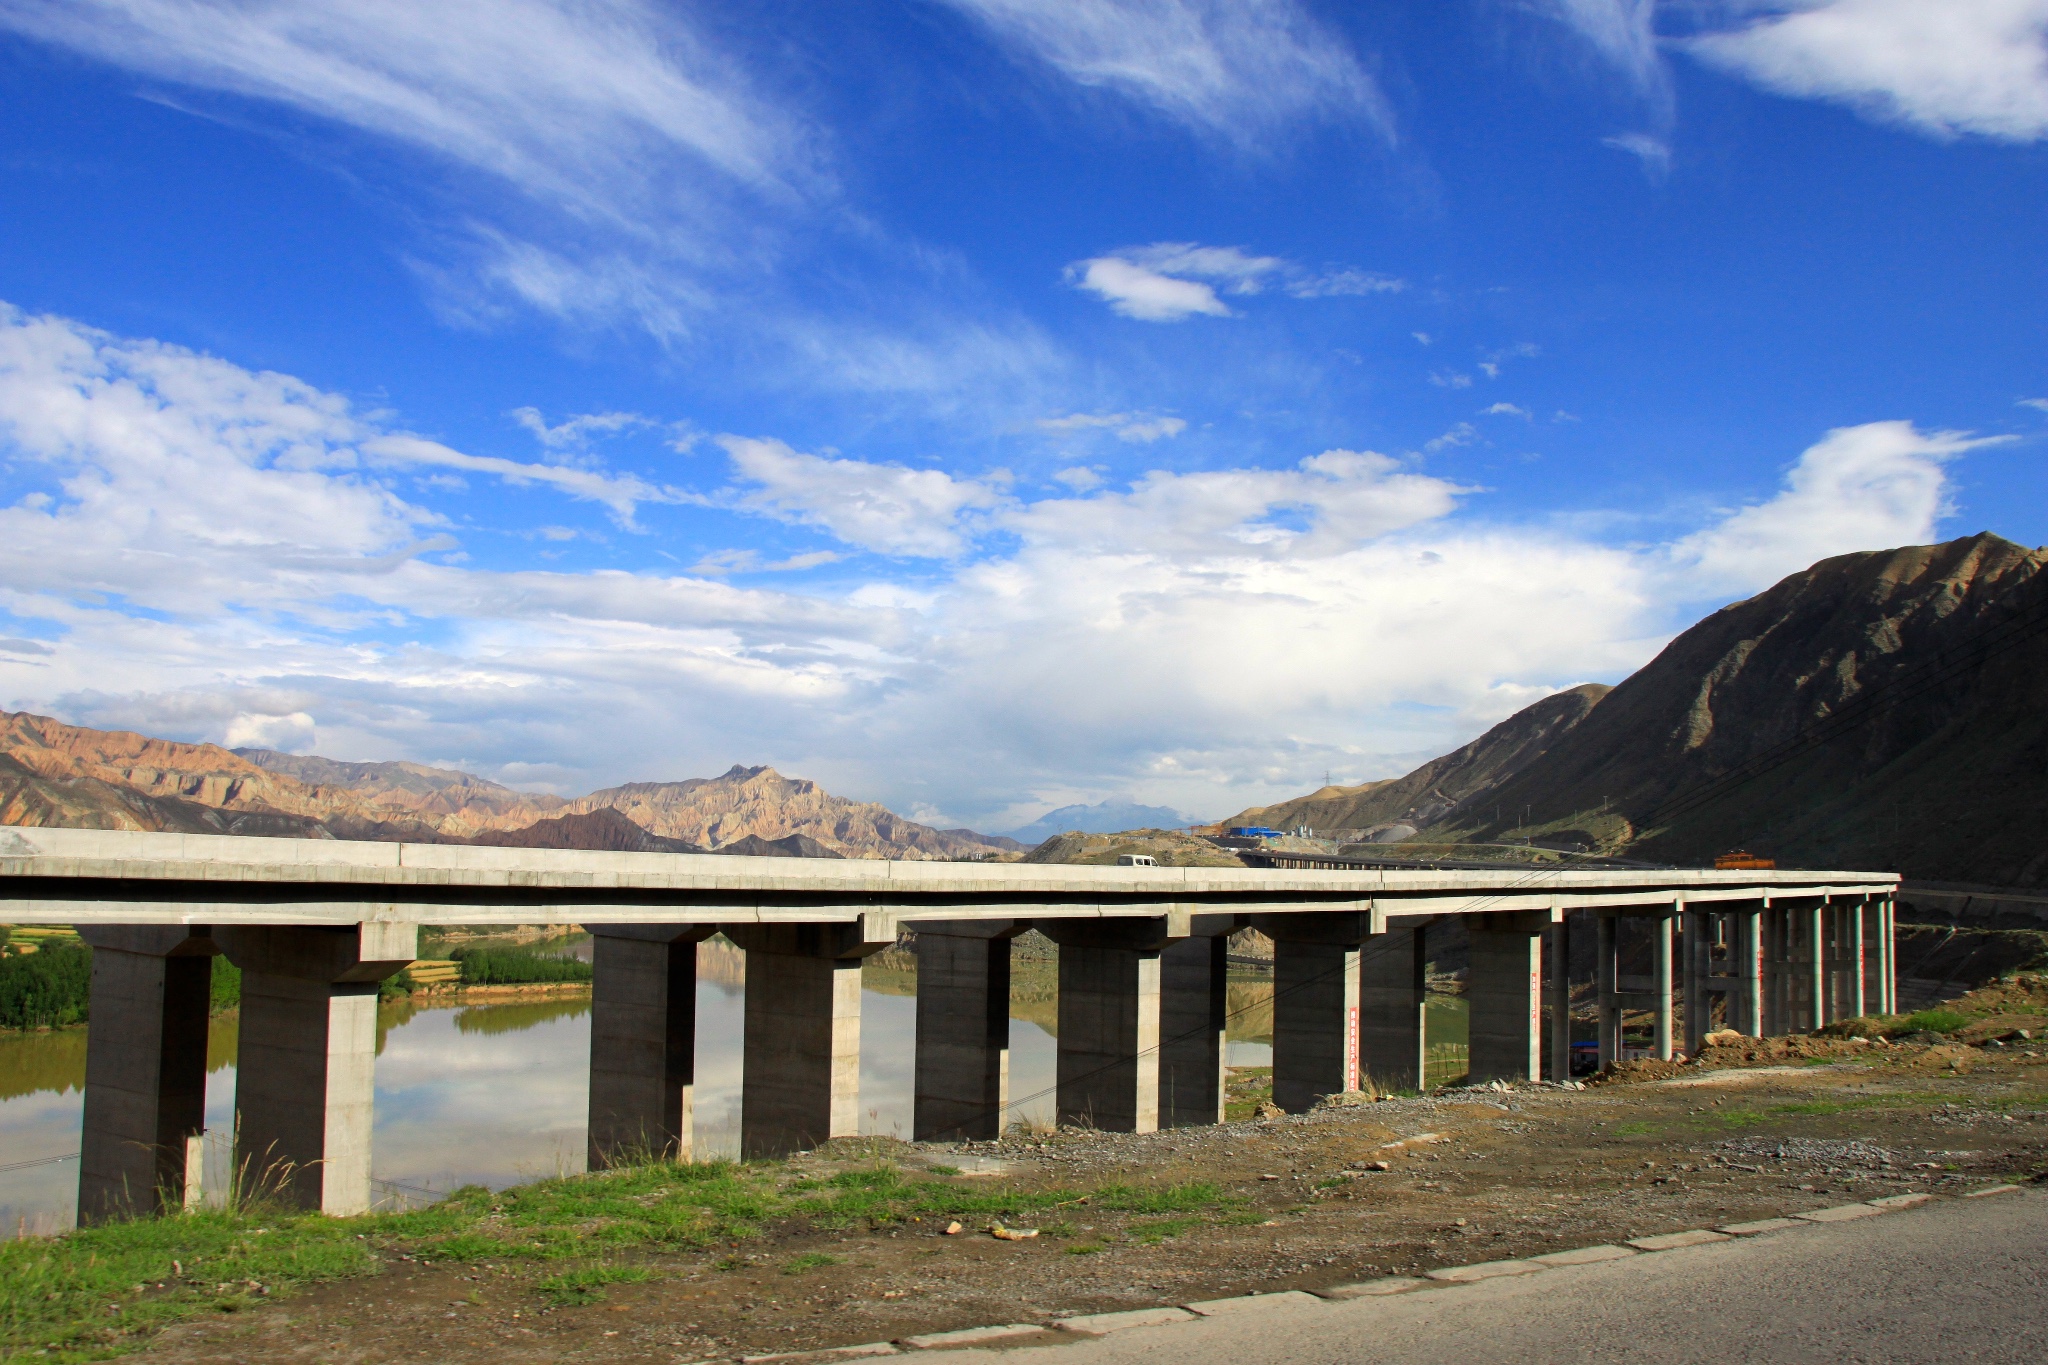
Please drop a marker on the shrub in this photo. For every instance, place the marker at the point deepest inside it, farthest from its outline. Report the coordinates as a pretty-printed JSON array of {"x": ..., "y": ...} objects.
[
  {"x": 516, "y": 967},
  {"x": 48, "y": 989},
  {"x": 1933, "y": 1021}
]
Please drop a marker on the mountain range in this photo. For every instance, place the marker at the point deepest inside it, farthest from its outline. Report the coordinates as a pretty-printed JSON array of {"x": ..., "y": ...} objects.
[
  {"x": 52, "y": 773},
  {"x": 1883, "y": 710},
  {"x": 1104, "y": 817}
]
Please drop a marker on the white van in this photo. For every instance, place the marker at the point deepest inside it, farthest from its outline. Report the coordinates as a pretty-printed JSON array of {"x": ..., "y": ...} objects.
[{"x": 1136, "y": 860}]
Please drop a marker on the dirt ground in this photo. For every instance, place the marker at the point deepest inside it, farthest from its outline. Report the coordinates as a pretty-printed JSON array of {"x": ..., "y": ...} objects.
[{"x": 1298, "y": 1204}]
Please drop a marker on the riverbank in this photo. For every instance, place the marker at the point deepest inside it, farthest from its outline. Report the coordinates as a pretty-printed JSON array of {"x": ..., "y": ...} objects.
[{"x": 849, "y": 1244}]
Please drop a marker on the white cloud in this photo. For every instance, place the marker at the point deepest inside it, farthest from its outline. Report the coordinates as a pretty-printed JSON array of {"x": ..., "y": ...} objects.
[
  {"x": 1653, "y": 152},
  {"x": 1461, "y": 434},
  {"x": 1344, "y": 281},
  {"x": 574, "y": 433},
  {"x": 750, "y": 561},
  {"x": 1240, "y": 70},
  {"x": 1943, "y": 67},
  {"x": 1144, "y": 294},
  {"x": 1140, "y": 428},
  {"x": 1172, "y": 281},
  {"x": 1622, "y": 32},
  {"x": 1422, "y": 338},
  {"x": 1506, "y": 410},
  {"x": 881, "y": 507},
  {"x": 205, "y": 551},
  {"x": 582, "y": 105},
  {"x": 1866, "y": 487},
  {"x": 1450, "y": 379},
  {"x": 2038, "y": 404}
]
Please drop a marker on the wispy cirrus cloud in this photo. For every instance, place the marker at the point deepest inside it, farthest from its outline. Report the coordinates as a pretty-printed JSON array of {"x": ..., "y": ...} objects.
[
  {"x": 1239, "y": 70},
  {"x": 1139, "y": 428},
  {"x": 608, "y": 161}
]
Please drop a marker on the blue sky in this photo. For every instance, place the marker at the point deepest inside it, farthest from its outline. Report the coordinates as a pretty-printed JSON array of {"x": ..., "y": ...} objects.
[{"x": 979, "y": 405}]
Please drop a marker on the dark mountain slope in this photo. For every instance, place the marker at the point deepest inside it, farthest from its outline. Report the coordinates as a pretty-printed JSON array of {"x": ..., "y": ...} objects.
[{"x": 1948, "y": 783}]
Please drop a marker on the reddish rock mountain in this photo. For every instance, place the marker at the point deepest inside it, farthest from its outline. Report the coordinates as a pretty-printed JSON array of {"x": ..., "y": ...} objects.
[{"x": 57, "y": 774}]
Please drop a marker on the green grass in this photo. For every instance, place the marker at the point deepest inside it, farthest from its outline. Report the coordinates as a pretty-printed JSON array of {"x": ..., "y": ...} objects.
[
  {"x": 1933, "y": 1021},
  {"x": 1084, "y": 1249},
  {"x": 1154, "y": 1231},
  {"x": 1633, "y": 1129},
  {"x": 55, "y": 1294},
  {"x": 587, "y": 1283},
  {"x": 809, "y": 1260}
]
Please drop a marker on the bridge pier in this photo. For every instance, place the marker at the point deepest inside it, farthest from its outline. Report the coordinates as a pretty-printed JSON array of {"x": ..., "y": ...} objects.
[
  {"x": 1392, "y": 1003},
  {"x": 643, "y": 1040},
  {"x": 963, "y": 1028},
  {"x": 305, "y": 1073},
  {"x": 800, "y": 1076},
  {"x": 1108, "y": 1066},
  {"x": 1317, "y": 1043},
  {"x": 1503, "y": 991},
  {"x": 145, "y": 1069},
  {"x": 1194, "y": 975},
  {"x": 1558, "y": 958}
]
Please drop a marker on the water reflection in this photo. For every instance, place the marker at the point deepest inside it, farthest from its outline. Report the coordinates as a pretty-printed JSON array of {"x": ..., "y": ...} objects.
[{"x": 497, "y": 1093}]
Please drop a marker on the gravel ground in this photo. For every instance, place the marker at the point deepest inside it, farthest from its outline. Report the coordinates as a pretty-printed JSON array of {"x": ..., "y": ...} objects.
[{"x": 1299, "y": 1203}]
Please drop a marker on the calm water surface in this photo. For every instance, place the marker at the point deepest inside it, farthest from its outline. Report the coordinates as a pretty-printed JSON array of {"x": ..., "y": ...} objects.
[{"x": 497, "y": 1094}]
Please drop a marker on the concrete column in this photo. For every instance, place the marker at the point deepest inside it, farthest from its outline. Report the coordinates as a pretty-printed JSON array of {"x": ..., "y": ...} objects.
[
  {"x": 1660, "y": 942},
  {"x": 305, "y": 1074},
  {"x": 963, "y": 1028},
  {"x": 1392, "y": 1005},
  {"x": 1888, "y": 946},
  {"x": 1607, "y": 988},
  {"x": 1560, "y": 959},
  {"x": 1108, "y": 1067},
  {"x": 1748, "y": 1016},
  {"x": 1859, "y": 967},
  {"x": 1504, "y": 991},
  {"x": 145, "y": 1069},
  {"x": 800, "y": 1073},
  {"x": 1696, "y": 938},
  {"x": 1193, "y": 1012},
  {"x": 1316, "y": 1025},
  {"x": 1817, "y": 965},
  {"x": 643, "y": 1041}
]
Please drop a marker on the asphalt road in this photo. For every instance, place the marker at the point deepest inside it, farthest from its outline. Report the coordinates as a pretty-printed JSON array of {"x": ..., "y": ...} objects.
[{"x": 1958, "y": 1280}]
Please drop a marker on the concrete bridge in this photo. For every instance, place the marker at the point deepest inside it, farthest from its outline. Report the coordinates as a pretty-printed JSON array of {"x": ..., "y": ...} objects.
[{"x": 314, "y": 925}]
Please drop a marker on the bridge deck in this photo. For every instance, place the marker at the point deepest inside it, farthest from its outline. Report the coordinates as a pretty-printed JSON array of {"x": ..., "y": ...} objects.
[{"x": 119, "y": 876}]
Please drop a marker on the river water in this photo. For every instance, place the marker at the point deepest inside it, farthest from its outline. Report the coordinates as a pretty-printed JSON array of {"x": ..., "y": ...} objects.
[{"x": 496, "y": 1093}]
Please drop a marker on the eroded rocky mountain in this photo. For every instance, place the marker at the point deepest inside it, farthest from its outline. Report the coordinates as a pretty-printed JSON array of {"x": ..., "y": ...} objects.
[{"x": 52, "y": 773}]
